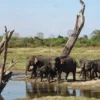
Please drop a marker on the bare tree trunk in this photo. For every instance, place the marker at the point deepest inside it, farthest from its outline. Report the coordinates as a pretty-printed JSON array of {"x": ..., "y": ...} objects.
[
  {"x": 4, "y": 76},
  {"x": 4, "y": 57},
  {"x": 78, "y": 27},
  {"x": 9, "y": 34}
]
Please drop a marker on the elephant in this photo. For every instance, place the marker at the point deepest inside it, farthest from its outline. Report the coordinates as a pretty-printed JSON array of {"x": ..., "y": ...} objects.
[
  {"x": 64, "y": 64},
  {"x": 95, "y": 67},
  {"x": 82, "y": 66},
  {"x": 86, "y": 67},
  {"x": 46, "y": 69},
  {"x": 36, "y": 62}
]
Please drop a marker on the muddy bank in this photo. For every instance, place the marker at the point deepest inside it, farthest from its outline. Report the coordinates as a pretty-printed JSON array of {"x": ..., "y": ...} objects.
[
  {"x": 22, "y": 87},
  {"x": 79, "y": 83}
]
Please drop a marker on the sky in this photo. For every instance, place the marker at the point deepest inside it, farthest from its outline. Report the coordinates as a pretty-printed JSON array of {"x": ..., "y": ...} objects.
[{"x": 51, "y": 17}]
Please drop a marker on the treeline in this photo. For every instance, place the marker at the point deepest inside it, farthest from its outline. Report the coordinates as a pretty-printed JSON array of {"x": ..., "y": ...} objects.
[{"x": 37, "y": 41}]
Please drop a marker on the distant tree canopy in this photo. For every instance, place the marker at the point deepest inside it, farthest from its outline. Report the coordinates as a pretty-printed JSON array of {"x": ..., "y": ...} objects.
[
  {"x": 39, "y": 40},
  {"x": 96, "y": 35},
  {"x": 16, "y": 35},
  {"x": 40, "y": 35}
]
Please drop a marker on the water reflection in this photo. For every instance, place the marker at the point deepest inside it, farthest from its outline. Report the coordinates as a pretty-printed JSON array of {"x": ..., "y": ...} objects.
[
  {"x": 21, "y": 89},
  {"x": 43, "y": 89}
]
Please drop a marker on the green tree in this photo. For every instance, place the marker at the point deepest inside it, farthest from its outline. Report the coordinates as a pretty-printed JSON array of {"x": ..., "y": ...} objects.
[
  {"x": 96, "y": 35},
  {"x": 40, "y": 35}
]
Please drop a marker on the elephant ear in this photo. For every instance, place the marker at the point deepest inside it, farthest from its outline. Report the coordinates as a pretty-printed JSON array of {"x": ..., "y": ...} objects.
[
  {"x": 35, "y": 60},
  {"x": 93, "y": 65},
  {"x": 61, "y": 61},
  {"x": 57, "y": 59}
]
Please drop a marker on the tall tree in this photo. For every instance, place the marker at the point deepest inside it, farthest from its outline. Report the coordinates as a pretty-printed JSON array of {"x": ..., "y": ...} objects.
[
  {"x": 78, "y": 27},
  {"x": 96, "y": 35},
  {"x": 40, "y": 35}
]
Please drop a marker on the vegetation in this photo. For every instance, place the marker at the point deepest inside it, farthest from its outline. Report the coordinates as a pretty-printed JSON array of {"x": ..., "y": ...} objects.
[
  {"x": 39, "y": 40},
  {"x": 77, "y": 53}
]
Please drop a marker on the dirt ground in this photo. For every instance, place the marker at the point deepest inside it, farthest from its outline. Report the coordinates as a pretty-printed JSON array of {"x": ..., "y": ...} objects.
[{"x": 79, "y": 83}]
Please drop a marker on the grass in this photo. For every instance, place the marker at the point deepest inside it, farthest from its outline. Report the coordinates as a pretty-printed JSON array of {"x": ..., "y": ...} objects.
[
  {"x": 77, "y": 53},
  {"x": 60, "y": 98}
]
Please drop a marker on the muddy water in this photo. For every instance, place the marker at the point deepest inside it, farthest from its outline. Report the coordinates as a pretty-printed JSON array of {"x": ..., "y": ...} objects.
[{"x": 21, "y": 89}]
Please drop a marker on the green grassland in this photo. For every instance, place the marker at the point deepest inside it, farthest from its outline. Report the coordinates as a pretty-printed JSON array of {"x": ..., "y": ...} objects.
[{"x": 22, "y": 53}]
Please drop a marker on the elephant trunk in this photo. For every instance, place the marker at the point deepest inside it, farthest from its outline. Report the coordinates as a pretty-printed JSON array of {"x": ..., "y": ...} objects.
[
  {"x": 26, "y": 71},
  {"x": 27, "y": 68}
]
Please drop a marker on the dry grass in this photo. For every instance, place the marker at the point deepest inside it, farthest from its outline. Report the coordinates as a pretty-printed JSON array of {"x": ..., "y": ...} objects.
[
  {"x": 60, "y": 98},
  {"x": 77, "y": 53}
]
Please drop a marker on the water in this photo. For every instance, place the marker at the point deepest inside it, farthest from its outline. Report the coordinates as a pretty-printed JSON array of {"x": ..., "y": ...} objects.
[{"x": 21, "y": 89}]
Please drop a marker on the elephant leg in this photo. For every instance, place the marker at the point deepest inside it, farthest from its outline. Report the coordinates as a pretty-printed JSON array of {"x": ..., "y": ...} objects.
[
  {"x": 52, "y": 77},
  {"x": 74, "y": 76},
  {"x": 96, "y": 74},
  {"x": 85, "y": 75},
  {"x": 59, "y": 77},
  {"x": 99, "y": 75},
  {"x": 82, "y": 74},
  {"x": 48, "y": 78},
  {"x": 36, "y": 79},
  {"x": 31, "y": 75},
  {"x": 90, "y": 75},
  {"x": 41, "y": 77},
  {"x": 66, "y": 75}
]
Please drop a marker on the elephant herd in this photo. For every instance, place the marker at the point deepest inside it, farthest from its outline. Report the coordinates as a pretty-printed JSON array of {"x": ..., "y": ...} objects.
[{"x": 51, "y": 67}]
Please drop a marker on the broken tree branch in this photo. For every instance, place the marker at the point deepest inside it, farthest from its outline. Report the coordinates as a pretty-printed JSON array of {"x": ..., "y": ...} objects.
[
  {"x": 5, "y": 29},
  {"x": 11, "y": 65},
  {"x": 9, "y": 34},
  {"x": 4, "y": 75},
  {"x": 4, "y": 57},
  {"x": 78, "y": 27}
]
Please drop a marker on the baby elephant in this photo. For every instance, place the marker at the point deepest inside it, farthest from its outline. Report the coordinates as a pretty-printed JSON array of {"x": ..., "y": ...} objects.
[{"x": 45, "y": 71}]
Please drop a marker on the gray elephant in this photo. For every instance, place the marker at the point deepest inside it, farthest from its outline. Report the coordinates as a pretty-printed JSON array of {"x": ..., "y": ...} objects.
[
  {"x": 82, "y": 66},
  {"x": 64, "y": 64},
  {"x": 36, "y": 62},
  {"x": 47, "y": 70},
  {"x": 95, "y": 67},
  {"x": 86, "y": 67}
]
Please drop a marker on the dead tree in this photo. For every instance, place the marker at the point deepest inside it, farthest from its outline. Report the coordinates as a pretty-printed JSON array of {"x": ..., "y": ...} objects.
[
  {"x": 9, "y": 34},
  {"x": 4, "y": 75},
  {"x": 78, "y": 27}
]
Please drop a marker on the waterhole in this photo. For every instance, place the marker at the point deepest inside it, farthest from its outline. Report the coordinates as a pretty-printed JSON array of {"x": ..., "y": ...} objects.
[{"x": 22, "y": 89}]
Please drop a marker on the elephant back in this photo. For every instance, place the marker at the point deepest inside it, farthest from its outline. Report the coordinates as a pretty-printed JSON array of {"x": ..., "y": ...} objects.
[
  {"x": 97, "y": 63},
  {"x": 45, "y": 60},
  {"x": 67, "y": 60}
]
